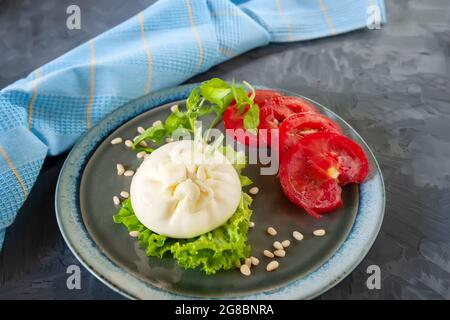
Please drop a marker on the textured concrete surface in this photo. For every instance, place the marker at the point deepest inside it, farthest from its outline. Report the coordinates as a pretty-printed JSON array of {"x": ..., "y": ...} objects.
[{"x": 392, "y": 85}]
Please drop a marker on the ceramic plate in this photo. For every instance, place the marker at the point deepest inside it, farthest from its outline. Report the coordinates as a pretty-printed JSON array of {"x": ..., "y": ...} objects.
[{"x": 84, "y": 209}]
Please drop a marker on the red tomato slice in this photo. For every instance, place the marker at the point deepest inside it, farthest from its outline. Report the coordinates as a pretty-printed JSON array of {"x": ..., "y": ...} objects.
[
  {"x": 277, "y": 109},
  {"x": 234, "y": 126},
  {"x": 234, "y": 121},
  {"x": 262, "y": 95},
  {"x": 299, "y": 125},
  {"x": 315, "y": 193},
  {"x": 284, "y": 106},
  {"x": 336, "y": 156}
]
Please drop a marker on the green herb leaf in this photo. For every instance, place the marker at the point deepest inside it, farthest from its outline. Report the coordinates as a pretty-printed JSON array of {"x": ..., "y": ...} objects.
[
  {"x": 176, "y": 120},
  {"x": 217, "y": 92},
  {"x": 251, "y": 119},
  {"x": 155, "y": 134}
]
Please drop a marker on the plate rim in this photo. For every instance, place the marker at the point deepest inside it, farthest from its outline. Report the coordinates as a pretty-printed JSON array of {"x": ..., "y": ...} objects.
[{"x": 69, "y": 174}]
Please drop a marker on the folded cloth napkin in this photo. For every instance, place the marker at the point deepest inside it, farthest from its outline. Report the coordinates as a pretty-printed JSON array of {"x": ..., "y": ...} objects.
[{"x": 162, "y": 46}]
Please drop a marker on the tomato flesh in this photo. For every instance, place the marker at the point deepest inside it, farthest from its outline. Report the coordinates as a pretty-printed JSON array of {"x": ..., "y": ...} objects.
[
  {"x": 314, "y": 192},
  {"x": 276, "y": 110},
  {"x": 299, "y": 125},
  {"x": 234, "y": 121},
  {"x": 262, "y": 95},
  {"x": 336, "y": 156}
]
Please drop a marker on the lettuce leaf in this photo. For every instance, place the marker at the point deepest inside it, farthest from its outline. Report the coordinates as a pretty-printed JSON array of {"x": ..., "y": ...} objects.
[{"x": 221, "y": 248}]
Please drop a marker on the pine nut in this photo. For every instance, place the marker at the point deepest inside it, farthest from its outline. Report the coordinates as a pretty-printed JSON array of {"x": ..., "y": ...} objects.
[
  {"x": 116, "y": 140},
  {"x": 134, "y": 234},
  {"x": 319, "y": 232},
  {"x": 128, "y": 173},
  {"x": 268, "y": 254},
  {"x": 157, "y": 123},
  {"x": 128, "y": 143},
  {"x": 245, "y": 270},
  {"x": 297, "y": 235},
  {"x": 277, "y": 245},
  {"x": 120, "y": 169},
  {"x": 141, "y": 154},
  {"x": 272, "y": 231},
  {"x": 273, "y": 265},
  {"x": 174, "y": 108},
  {"x": 140, "y": 130},
  {"x": 116, "y": 200},
  {"x": 285, "y": 243},
  {"x": 125, "y": 194},
  {"x": 280, "y": 253},
  {"x": 248, "y": 262},
  {"x": 143, "y": 144},
  {"x": 254, "y": 190},
  {"x": 255, "y": 261},
  {"x": 251, "y": 224}
]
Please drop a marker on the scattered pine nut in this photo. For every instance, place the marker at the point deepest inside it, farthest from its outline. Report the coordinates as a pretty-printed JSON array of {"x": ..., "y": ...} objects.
[
  {"x": 245, "y": 270},
  {"x": 248, "y": 262},
  {"x": 116, "y": 140},
  {"x": 255, "y": 261},
  {"x": 272, "y": 231},
  {"x": 116, "y": 200},
  {"x": 128, "y": 173},
  {"x": 273, "y": 265},
  {"x": 297, "y": 235},
  {"x": 143, "y": 144},
  {"x": 277, "y": 245},
  {"x": 134, "y": 234},
  {"x": 125, "y": 194},
  {"x": 279, "y": 253},
  {"x": 174, "y": 108},
  {"x": 251, "y": 224},
  {"x": 268, "y": 254},
  {"x": 254, "y": 190},
  {"x": 319, "y": 232},
  {"x": 128, "y": 143},
  {"x": 140, "y": 130},
  {"x": 120, "y": 169},
  {"x": 157, "y": 123},
  {"x": 141, "y": 154},
  {"x": 285, "y": 243}
]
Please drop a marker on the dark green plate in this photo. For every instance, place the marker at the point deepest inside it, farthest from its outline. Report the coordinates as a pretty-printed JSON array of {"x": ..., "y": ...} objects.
[{"x": 99, "y": 182}]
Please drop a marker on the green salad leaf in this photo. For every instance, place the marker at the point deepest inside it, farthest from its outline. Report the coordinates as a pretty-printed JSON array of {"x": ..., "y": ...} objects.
[
  {"x": 210, "y": 97},
  {"x": 221, "y": 248}
]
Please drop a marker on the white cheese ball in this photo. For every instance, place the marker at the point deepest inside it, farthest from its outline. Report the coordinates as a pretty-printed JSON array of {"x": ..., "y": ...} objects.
[{"x": 183, "y": 190}]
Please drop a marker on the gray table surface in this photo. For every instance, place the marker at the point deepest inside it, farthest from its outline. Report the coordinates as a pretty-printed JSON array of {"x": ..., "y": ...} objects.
[{"x": 392, "y": 85}]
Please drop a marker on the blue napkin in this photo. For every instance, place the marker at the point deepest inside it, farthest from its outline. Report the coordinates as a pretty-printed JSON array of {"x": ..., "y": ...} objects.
[{"x": 164, "y": 45}]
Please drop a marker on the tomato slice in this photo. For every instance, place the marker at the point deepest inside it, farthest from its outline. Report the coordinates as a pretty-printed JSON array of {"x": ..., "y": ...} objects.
[
  {"x": 316, "y": 193},
  {"x": 299, "y": 125},
  {"x": 336, "y": 156},
  {"x": 262, "y": 95},
  {"x": 276, "y": 110},
  {"x": 284, "y": 106},
  {"x": 234, "y": 121}
]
